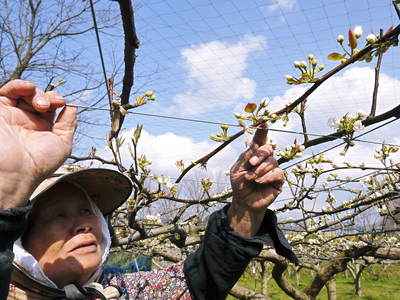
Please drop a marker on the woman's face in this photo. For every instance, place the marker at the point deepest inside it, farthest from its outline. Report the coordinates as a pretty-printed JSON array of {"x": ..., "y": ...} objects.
[{"x": 64, "y": 235}]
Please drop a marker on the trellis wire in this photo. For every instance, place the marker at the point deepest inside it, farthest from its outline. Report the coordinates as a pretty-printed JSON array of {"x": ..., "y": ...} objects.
[{"x": 89, "y": 108}]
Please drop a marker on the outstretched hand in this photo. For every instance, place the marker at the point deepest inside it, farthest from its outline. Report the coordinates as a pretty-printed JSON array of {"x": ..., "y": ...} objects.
[
  {"x": 32, "y": 144},
  {"x": 256, "y": 182}
]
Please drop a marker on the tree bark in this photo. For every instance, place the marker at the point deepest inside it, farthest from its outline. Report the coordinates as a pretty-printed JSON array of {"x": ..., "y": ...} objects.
[
  {"x": 244, "y": 293},
  {"x": 265, "y": 278},
  {"x": 357, "y": 281},
  {"x": 331, "y": 289}
]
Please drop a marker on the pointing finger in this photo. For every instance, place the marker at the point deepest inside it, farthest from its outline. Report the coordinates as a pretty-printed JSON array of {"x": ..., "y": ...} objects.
[{"x": 260, "y": 137}]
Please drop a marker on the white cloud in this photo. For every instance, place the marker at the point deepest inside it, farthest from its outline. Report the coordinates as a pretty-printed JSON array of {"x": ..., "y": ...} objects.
[
  {"x": 286, "y": 4},
  {"x": 165, "y": 149},
  {"x": 216, "y": 78}
]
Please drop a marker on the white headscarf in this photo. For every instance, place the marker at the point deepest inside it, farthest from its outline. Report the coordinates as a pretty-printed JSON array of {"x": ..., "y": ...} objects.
[{"x": 30, "y": 265}]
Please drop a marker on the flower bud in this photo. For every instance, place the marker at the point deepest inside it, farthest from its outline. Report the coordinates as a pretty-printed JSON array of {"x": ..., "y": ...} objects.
[
  {"x": 311, "y": 57},
  {"x": 303, "y": 64},
  {"x": 149, "y": 93},
  {"x": 297, "y": 64},
  {"x": 371, "y": 38},
  {"x": 314, "y": 62},
  {"x": 321, "y": 67},
  {"x": 357, "y": 31},
  {"x": 340, "y": 38},
  {"x": 289, "y": 77},
  {"x": 240, "y": 116}
]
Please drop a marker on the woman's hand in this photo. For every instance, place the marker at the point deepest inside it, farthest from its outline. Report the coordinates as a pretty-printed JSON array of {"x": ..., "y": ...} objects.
[
  {"x": 32, "y": 144},
  {"x": 256, "y": 182}
]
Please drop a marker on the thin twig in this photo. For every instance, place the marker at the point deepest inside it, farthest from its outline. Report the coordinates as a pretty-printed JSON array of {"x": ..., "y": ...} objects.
[
  {"x": 92, "y": 157},
  {"x": 303, "y": 120},
  {"x": 396, "y": 8},
  {"x": 376, "y": 84}
]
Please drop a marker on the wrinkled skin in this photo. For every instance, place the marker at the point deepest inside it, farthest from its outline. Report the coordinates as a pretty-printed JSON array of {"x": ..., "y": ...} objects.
[
  {"x": 64, "y": 235},
  {"x": 256, "y": 182},
  {"x": 32, "y": 144}
]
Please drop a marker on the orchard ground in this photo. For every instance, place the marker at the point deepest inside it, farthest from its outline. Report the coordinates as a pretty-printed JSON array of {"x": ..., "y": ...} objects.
[{"x": 378, "y": 282}]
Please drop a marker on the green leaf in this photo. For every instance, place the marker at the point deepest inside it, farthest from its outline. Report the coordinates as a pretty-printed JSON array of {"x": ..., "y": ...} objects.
[
  {"x": 352, "y": 40},
  {"x": 336, "y": 56},
  {"x": 250, "y": 108},
  {"x": 137, "y": 133}
]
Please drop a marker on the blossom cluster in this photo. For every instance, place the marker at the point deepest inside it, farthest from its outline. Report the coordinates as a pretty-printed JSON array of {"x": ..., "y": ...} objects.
[
  {"x": 206, "y": 184},
  {"x": 165, "y": 181},
  {"x": 384, "y": 152},
  {"x": 308, "y": 69},
  {"x": 353, "y": 41},
  {"x": 292, "y": 151},
  {"x": 156, "y": 219},
  {"x": 348, "y": 122},
  {"x": 382, "y": 210}
]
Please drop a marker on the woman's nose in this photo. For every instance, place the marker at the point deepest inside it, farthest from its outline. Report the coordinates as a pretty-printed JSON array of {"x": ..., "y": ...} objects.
[{"x": 81, "y": 226}]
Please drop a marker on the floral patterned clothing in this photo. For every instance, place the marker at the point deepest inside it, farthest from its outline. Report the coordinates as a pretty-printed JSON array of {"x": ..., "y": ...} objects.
[{"x": 166, "y": 284}]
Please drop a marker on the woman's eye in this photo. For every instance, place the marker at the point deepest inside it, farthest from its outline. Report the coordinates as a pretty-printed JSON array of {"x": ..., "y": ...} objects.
[{"x": 86, "y": 211}]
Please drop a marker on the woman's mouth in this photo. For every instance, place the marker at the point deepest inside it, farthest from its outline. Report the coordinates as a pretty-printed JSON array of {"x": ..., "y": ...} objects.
[{"x": 85, "y": 248}]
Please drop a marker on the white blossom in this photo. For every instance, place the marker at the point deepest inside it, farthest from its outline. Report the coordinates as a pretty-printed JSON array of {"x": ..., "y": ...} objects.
[
  {"x": 153, "y": 219},
  {"x": 371, "y": 38},
  {"x": 163, "y": 180},
  {"x": 361, "y": 114},
  {"x": 383, "y": 210},
  {"x": 334, "y": 123},
  {"x": 357, "y": 31},
  {"x": 357, "y": 126},
  {"x": 340, "y": 38}
]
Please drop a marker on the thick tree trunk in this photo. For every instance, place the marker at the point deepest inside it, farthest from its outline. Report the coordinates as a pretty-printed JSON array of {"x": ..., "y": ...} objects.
[
  {"x": 297, "y": 276},
  {"x": 244, "y": 293},
  {"x": 266, "y": 276},
  {"x": 331, "y": 289},
  {"x": 357, "y": 281}
]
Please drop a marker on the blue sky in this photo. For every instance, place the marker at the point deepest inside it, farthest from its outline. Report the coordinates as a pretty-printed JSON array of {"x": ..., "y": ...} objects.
[{"x": 207, "y": 59}]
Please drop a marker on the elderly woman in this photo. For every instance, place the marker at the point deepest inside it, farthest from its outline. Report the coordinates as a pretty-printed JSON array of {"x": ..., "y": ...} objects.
[{"x": 60, "y": 238}]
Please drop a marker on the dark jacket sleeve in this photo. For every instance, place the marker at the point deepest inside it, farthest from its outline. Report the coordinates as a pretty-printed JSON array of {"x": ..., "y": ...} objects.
[
  {"x": 12, "y": 225},
  {"x": 223, "y": 256}
]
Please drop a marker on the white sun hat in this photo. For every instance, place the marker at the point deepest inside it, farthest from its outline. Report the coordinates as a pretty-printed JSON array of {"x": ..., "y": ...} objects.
[{"x": 107, "y": 188}]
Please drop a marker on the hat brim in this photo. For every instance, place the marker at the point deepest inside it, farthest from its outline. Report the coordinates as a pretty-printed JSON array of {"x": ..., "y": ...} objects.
[{"x": 107, "y": 188}]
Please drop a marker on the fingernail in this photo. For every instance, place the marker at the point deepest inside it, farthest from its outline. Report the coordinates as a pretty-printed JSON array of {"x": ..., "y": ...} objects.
[
  {"x": 42, "y": 102},
  {"x": 253, "y": 160}
]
